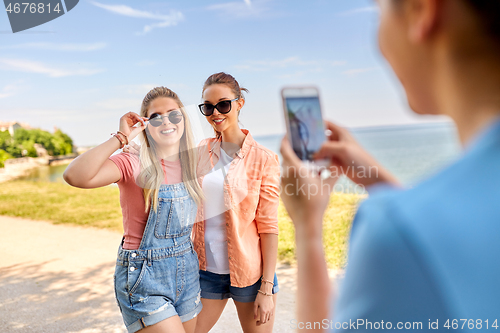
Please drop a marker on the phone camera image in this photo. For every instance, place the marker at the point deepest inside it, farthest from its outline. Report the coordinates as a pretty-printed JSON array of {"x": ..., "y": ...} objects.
[{"x": 305, "y": 125}]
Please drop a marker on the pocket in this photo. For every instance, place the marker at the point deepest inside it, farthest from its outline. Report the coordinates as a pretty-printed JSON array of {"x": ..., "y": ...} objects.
[
  {"x": 136, "y": 276},
  {"x": 174, "y": 217}
]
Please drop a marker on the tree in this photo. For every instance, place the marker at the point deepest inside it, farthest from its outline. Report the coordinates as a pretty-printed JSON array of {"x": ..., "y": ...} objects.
[
  {"x": 58, "y": 143},
  {"x": 3, "y": 157},
  {"x": 5, "y": 139}
]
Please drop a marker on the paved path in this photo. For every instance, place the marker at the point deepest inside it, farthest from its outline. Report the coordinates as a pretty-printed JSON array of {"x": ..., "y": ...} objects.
[{"x": 59, "y": 278}]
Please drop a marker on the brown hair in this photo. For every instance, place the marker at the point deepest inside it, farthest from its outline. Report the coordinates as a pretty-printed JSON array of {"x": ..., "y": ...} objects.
[
  {"x": 151, "y": 175},
  {"x": 489, "y": 16},
  {"x": 227, "y": 80}
]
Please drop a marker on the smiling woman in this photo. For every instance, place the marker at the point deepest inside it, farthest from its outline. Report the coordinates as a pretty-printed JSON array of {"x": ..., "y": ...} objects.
[
  {"x": 159, "y": 194},
  {"x": 237, "y": 244}
]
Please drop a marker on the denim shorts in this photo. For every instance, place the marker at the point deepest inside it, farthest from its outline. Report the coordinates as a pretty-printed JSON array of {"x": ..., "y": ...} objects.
[
  {"x": 153, "y": 285},
  {"x": 218, "y": 286}
]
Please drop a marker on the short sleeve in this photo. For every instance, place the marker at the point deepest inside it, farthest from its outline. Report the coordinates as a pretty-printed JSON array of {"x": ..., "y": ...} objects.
[
  {"x": 266, "y": 215},
  {"x": 125, "y": 163},
  {"x": 387, "y": 278}
]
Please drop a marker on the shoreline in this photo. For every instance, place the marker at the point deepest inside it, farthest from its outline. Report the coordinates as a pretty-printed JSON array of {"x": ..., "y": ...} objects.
[{"x": 15, "y": 170}]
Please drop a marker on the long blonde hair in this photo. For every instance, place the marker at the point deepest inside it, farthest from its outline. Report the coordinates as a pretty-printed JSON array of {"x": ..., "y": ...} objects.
[{"x": 151, "y": 175}]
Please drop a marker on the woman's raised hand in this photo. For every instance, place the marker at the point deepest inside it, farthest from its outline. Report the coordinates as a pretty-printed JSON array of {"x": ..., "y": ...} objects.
[
  {"x": 348, "y": 157},
  {"x": 128, "y": 122}
]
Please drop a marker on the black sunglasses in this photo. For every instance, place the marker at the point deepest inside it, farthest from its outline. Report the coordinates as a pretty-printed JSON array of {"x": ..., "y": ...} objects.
[
  {"x": 223, "y": 107},
  {"x": 174, "y": 117}
]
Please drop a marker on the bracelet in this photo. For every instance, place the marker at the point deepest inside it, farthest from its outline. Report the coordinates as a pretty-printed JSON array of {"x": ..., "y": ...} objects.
[
  {"x": 263, "y": 293},
  {"x": 122, "y": 143},
  {"x": 126, "y": 137},
  {"x": 266, "y": 281}
]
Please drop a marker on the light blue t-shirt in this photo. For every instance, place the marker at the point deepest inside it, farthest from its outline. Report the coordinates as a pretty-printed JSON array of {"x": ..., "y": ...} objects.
[{"x": 431, "y": 253}]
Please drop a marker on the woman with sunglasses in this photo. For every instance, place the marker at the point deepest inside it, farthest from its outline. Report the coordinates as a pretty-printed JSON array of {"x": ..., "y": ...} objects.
[
  {"x": 238, "y": 242},
  {"x": 156, "y": 275}
]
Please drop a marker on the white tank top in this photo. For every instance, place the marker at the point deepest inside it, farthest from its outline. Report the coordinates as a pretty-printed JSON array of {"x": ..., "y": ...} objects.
[{"x": 215, "y": 225}]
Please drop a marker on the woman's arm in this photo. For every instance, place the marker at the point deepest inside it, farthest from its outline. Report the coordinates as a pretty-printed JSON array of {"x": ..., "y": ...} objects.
[
  {"x": 264, "y": 305},
  {"x": 306, "y": 211},
  {"x": 94, "y": 169},
  {"x": 269, "y": 247},
  {"x": 267, "y": 225}
]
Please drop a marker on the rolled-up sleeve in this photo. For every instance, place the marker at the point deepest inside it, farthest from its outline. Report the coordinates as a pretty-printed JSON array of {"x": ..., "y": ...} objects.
[{"x": 266, "y": 215}]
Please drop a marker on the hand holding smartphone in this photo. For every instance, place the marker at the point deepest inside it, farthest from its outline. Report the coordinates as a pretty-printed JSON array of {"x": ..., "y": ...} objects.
[{"x": 304, "y": 123}]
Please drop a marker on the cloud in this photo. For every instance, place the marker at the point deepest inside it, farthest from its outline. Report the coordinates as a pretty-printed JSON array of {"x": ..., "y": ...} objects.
[
  {"x": 57, "y": 47},
  {"x": 239, "y": 9},
  {"x": 8, "y": 90},
  {"x": 266, "y": 65},
  {"x": 173, "y": 18},
  {"x": 352, "y": 72},
  {"x": 368, "y": 9},
  {"x": 29, "y": 66}
]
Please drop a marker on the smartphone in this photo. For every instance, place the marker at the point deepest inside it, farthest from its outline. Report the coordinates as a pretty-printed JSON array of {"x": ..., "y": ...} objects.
[{"x": 304, "y": 122}]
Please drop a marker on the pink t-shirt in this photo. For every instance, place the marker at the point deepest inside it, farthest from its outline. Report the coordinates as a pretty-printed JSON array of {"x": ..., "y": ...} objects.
[{"x": 131, "y": 195}]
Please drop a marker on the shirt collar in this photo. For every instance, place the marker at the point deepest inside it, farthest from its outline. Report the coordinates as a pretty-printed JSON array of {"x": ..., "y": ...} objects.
[{"x": 247, "y": 143}]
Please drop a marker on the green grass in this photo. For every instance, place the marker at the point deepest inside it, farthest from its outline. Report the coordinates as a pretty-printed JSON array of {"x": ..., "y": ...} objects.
[
  {"x": 336, "y": 228},
  {"x": 60, "y": 203}
]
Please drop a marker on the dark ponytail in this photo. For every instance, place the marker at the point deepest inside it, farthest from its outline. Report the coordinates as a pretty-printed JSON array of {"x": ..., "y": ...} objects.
[{"x": 489, "y": 16}]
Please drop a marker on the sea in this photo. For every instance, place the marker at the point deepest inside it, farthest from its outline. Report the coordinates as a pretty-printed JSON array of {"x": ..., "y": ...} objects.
[{"x": 411, "y": 152}]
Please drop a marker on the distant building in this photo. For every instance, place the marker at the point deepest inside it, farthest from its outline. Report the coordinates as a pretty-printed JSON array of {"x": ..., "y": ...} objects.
[{"x": 12, "y": 126}]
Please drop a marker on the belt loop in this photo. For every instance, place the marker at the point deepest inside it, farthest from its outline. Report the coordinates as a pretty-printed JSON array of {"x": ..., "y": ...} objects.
[{"x": 149, "y": 258}]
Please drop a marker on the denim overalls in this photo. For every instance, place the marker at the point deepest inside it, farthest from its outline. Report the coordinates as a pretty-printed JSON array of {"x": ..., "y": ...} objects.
[{"x": 161, "y": 279}]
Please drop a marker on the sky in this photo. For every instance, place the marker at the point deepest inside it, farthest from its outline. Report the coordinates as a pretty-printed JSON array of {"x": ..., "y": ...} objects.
[{"x": 82, "y": 71}]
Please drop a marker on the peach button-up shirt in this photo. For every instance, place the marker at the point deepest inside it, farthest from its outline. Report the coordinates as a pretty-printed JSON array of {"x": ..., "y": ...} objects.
[{"x": 251, "y": 199}]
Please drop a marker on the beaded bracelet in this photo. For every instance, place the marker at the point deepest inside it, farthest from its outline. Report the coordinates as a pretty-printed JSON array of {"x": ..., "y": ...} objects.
[
  {"x": 263, "y": 293},
  {"x": 122, "y": 142},
  {"x": 267, "y": 281},
  {"x": 126, "y": 137}
]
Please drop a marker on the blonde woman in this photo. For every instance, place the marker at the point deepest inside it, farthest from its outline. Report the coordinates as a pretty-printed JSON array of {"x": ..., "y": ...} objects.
[{"x": 156, "y": 276}]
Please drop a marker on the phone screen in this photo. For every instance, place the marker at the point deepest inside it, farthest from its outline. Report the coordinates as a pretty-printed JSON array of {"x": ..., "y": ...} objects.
[{"x": 305, "y": 124}]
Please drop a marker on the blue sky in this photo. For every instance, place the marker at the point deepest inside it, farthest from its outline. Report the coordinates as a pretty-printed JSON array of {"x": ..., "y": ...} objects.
[{"x": 85, "y": 69}]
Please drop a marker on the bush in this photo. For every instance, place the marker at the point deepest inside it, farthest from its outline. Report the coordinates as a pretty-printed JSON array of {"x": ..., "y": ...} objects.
[
  {"x": 56, "y": 144},
  {"x": 5, "y": 139},
  {"x": 3, "y": 157}
]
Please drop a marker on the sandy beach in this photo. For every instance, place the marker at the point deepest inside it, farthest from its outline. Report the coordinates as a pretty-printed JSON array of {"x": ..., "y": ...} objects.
[{"x": 59, "y": 278}]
